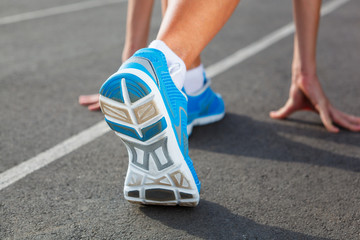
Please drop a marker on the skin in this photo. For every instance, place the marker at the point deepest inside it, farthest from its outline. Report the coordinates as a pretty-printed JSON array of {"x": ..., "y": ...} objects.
[
  {"x": 137, "y": 26},
  {"x": 197, "y": 61},
  {"x": 306, "y": 92},
  {"x": 186, "y": 33}
]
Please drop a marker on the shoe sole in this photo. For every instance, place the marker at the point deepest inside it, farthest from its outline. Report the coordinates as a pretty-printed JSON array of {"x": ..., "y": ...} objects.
[
  {"x": 204, "y": 121},
  {"x": 157, "y": 173}
]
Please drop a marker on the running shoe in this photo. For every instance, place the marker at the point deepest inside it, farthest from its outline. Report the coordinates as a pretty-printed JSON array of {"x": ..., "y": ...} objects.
[
  {"x": 149, "y": 113},
  {"x": 204, "y": 107}
]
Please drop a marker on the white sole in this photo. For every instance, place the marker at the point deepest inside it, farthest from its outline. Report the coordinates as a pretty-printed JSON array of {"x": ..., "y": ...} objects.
[{"x": 204, "y": 121}]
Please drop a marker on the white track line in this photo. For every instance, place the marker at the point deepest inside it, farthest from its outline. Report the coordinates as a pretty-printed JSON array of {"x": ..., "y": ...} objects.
[
  {"x": 18, "y": 172},
  {"x": 56, "y": 11}
]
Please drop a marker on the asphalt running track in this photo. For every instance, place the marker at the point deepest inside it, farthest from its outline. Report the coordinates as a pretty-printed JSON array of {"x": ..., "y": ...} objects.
[{"x": 261, "y": 178}]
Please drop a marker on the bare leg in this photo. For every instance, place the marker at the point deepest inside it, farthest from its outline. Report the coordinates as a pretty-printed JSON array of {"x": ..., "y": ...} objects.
[
  {"x": 306, "y": 92},
  {"x": 197, "y": 61},
  {"x": 137, "y": 32},
  {"x": 187, "y": 33}
]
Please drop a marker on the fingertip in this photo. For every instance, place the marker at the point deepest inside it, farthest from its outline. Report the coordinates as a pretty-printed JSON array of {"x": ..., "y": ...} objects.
[
  {"x": 94, "y": 107},
  {"x": 83, "y": 100},
  {"x": 333, "y": 129},
  {"x": 356, "y": 129},
  {"x": 272, "y": 114},
  {"x": 276, "y": 115}
]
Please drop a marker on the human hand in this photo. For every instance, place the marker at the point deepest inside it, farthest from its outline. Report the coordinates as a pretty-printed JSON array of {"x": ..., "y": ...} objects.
[
  {"x": 306, "y": 94},
  {"x": 92, "y": 101}
]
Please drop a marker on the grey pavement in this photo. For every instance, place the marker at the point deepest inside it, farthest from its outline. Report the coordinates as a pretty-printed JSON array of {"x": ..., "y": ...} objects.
[{"x": 261, "y": 178}]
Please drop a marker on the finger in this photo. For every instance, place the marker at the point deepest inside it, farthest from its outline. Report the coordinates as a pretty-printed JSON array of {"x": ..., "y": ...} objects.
[
  {"x": 94, "y": 107},
  {"x": 88, "y": 99},
  {"x": 342, "y": 121},
  {"x": 350, "y": 118},
  {"x": 283, "y": 112},
  {"x": 326, "y": 119}
]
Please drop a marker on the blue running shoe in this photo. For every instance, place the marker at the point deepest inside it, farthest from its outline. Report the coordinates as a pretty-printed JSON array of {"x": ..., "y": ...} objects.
[
  {"x": 204, "y": 107},
  {"x": 148, "y": 112}
]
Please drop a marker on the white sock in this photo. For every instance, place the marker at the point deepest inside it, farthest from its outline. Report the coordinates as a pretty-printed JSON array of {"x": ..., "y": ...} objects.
[
  {"x": 175, "y": 64},
  {"x": 194, "y": 79}
]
